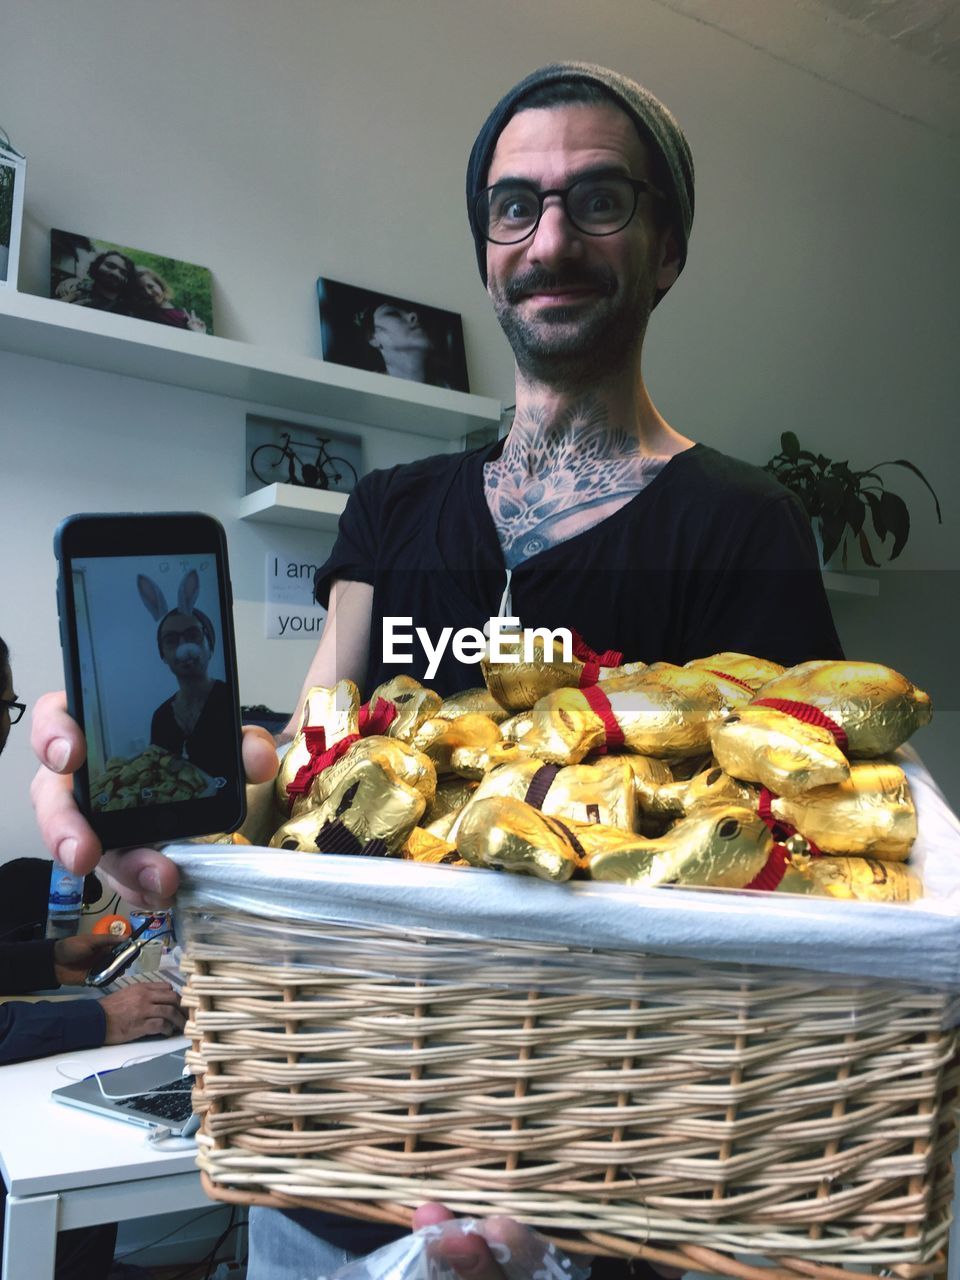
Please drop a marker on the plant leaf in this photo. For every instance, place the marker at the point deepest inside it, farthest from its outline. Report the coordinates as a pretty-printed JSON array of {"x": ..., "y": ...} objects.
[
  {"x": 854, "y": 511},
  {"x": 790, "y": 445},
  {"x": 902, "y": 462},
  {"x": 831, "y": 529},
  {"x": 896, "y": 518},
  {"x": 866, "y": 551},
  {"x": 876, "y": 512},
  {"x": 831, "y": 490}
]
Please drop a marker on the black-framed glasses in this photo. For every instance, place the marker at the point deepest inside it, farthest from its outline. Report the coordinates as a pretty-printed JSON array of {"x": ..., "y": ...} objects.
[
  {"x": 15, "y": 710},
  {"x": 509, "y": 212}
]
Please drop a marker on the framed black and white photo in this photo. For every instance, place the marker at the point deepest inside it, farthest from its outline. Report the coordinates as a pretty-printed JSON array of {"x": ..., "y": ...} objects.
[
  {"x": 13, "y": 169},
  {"x": 130, "y": 282},
  {"x": 378, "y": 331}
]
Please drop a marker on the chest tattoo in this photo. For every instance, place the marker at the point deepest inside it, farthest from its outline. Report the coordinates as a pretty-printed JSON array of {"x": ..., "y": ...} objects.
[{"x": 558, "y": 477}]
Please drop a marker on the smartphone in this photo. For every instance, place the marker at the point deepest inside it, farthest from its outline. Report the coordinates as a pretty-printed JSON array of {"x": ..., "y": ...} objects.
[
  {"x": 146, "y": 629},
  {"x": 118, "y": 960}
]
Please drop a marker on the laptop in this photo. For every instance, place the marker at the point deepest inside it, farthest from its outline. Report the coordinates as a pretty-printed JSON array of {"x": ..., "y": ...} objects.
[{"x": 149, "y": 1093}]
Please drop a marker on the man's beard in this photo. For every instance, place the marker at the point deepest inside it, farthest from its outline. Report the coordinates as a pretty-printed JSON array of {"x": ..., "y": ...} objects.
[{"x": 572, "y": 347}]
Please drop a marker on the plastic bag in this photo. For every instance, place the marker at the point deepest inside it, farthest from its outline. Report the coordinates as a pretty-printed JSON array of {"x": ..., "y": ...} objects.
[{"x": 521, "y": 1253}]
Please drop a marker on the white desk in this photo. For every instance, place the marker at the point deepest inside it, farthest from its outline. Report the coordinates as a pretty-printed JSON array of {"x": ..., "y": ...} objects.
[{"x": 69, "y": 1168}]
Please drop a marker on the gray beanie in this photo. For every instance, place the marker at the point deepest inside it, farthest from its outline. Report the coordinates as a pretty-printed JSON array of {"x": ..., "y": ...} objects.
[{"x": 654, "y": 122}]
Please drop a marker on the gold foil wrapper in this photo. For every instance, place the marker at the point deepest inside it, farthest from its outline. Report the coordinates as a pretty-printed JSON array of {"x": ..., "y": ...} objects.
[
  {"x": 872, "y": 812},
  {"x": 761, "y": 744},
  {"x": 366, "y": 799},
  {"x": 514, "y": 728},
  {"x": 877, "y": 708},
  {"x": 422, "y": 846},
  {"x": 726, "y": 847},
  {"x": 863, "y": 879},
  {"x": 517, "y": 685},
  {"x": 564, "y": 729},
  {"x": 336, "y": 710},
  {"x": 401, "y": 762},
  {"x": 601, "y": 792},
  {"x": 752, "y": 671},
  {"x": 414, "y": 702},
  {"x": 451, "y": 795},
  {"x": 438, "y": 738},
  {"x": 477, "y": 762},
  {"x": 508, "y": 835},
  {"x": 665, "y": 712},
  {"x": 472, "y": 702},
  {"x": 706, "y": 789}
]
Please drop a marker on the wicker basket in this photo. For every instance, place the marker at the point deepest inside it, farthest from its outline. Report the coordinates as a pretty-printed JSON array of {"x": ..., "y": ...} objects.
[{"x": 634, "y": 1104}]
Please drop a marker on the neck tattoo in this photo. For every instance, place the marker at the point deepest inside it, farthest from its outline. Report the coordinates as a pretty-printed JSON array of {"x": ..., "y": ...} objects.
[{"x": 560, "y": 475}]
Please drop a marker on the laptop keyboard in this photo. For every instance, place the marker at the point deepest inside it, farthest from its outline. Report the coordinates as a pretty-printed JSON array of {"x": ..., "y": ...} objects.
[{"x": 168, "y": 1102}]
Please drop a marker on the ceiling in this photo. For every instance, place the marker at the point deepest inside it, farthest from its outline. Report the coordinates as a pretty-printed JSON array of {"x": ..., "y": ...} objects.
[{"x": 903, "y": 55}]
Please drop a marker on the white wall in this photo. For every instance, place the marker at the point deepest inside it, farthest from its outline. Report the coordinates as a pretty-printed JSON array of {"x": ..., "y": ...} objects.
[{"x": 276, "y": 143}]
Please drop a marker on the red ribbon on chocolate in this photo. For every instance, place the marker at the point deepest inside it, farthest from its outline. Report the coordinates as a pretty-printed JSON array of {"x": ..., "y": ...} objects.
[
  {"x": 321, "y": 757},
  {"x": 808, "y": 714},
  {"x": 377, "y": 720},
  {"x": 599, "y": 704},
  {"x": 592, "y": 660},
  {"x": 725, "y": 675},
  {"x": 775, "y": 866}
]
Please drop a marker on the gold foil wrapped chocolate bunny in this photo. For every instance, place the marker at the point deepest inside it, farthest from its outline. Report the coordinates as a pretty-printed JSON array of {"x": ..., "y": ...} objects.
[
  {"x": 599, "y": 792},
  {"x": 863, "y": 879},
  {"x": 665, "y": 712},
  {"x": 754, "y": 672},
  {"x": 508, "y": 835},
  {"x": 875, "y": 706},
  {"x": 400, "y": 760},
  {"x": 362, "y": 809},
  {"x": 413, "y": 701},
  {"x": 335, "y": 711},
  {"x": 439, "y": 738},
  {"x": 726, "y": 846},
  {"x": 517, "y": 685},
  {"x": 871, "y": 812},
  {"x": 471, "y": 702},
  {"x": 763, "y": 744}
]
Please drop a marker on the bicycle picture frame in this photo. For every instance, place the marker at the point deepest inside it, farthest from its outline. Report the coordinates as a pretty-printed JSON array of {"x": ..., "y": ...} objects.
[
  {"x": 306, "y": 454},
  {"x": 13, "y": 172}
]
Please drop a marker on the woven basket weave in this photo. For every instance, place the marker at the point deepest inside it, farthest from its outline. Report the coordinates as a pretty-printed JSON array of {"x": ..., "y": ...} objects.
[{"x": 649, "y": 1105}]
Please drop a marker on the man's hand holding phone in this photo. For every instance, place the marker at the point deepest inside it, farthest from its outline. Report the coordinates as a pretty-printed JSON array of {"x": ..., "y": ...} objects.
[{"x": 143, "y": 876}]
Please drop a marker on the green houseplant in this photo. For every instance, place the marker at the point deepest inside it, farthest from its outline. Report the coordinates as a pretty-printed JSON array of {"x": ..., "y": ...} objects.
[{"x": 838, "y": 500}]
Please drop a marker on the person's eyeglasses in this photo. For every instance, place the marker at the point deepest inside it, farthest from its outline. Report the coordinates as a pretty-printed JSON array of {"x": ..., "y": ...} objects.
[
  {"x": 509, "y": 212},
  {"x": 15, "y": 710}
]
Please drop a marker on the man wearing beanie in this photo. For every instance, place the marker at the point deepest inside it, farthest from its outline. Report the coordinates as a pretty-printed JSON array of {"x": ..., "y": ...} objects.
[{"x": 594, "y": 514}]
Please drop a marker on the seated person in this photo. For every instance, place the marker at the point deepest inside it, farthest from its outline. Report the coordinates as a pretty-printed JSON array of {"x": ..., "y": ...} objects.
[{"x": 46, "y": 1027}]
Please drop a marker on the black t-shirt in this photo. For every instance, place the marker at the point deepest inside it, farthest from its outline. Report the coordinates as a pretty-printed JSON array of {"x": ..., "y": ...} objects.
[
  {"x": 712, "y": 555},
  {"x": 208, "y": 746}
]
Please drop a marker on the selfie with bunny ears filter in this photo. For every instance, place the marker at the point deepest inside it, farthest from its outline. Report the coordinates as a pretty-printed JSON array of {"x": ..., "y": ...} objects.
[
  {"x": 123, "y": 604},
  {"x": 187, "y": 593}
]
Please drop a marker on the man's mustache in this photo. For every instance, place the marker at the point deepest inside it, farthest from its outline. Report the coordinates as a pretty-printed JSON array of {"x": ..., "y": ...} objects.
[{"x": 536, "y": 280}]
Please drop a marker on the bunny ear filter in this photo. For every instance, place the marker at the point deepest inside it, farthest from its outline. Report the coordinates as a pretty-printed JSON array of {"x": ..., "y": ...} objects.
[{"x": 153, "y": 598}]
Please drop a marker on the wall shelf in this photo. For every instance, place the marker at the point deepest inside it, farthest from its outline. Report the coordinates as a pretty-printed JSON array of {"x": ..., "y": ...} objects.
[
  {"x": 850, "y": 584},
  {"x": 51, "y": 330},
  {"x": 293, "y": 505}
]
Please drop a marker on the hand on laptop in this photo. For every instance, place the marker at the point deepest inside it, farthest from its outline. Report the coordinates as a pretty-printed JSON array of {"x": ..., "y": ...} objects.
[
  {"x": 143, "y": 1009},
  {"x": 73, "y": 958},
  {"x": 144, "y": 877}
]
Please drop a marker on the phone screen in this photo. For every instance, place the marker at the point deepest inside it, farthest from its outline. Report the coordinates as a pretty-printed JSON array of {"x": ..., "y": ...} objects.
[{"x": 151, "y": 664}]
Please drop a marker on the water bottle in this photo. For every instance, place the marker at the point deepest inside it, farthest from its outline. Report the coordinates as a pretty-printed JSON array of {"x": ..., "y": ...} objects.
[{"x": 65, "y": 903}]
